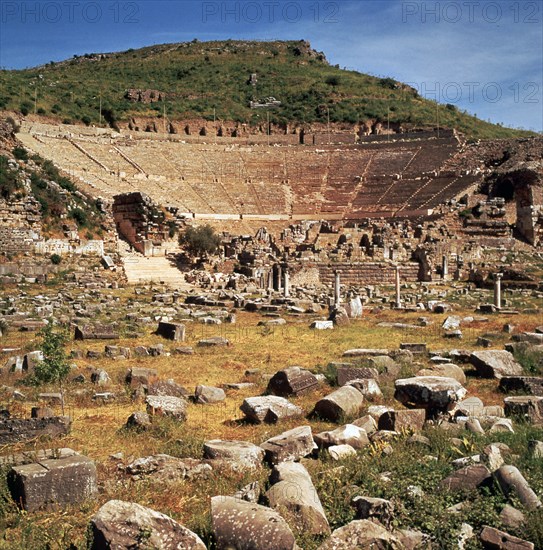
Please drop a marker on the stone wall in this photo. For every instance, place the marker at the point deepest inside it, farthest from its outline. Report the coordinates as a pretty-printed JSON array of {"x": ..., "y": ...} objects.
[
  {"x": 20, "y": 225},
  {"x": 353, "y": 274},
  {"x": 141, "y": 223}
]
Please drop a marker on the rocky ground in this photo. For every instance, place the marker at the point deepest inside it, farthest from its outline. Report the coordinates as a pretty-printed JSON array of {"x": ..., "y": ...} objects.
[{"x": 224, "y": 421}]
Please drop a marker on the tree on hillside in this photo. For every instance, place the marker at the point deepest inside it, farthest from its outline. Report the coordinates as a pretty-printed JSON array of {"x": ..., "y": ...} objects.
[
  {"x": 200, "y": 241},
  {"x": 54, "y": 368}
]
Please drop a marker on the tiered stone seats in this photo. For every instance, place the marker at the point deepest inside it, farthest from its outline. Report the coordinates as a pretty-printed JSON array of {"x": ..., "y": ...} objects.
[{"x": 226, "y": 179}]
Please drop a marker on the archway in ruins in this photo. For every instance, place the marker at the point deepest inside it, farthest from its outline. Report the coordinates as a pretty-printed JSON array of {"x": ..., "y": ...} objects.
[{"x": 522, "y": 190}]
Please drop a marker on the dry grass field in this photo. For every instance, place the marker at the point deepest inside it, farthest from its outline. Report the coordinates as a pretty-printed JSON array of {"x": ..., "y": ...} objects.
[{"x": 98, "y": 427}]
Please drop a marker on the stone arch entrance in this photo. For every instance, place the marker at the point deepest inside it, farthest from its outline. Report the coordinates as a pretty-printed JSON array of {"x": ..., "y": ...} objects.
[{"x": 524, "y": 187}]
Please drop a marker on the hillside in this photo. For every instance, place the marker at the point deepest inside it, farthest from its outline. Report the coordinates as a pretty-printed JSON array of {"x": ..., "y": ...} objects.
[{"x": 213, "y": 80}]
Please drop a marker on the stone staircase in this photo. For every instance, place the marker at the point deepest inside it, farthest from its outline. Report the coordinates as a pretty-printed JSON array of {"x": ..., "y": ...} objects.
[{"x": 141, "y": 270}]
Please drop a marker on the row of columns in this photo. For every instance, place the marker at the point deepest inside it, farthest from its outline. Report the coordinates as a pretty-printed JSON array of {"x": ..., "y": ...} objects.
[{"x": 285, "y": 277}]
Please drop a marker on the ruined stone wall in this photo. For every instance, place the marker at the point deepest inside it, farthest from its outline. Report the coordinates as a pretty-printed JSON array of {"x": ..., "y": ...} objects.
[
  {"x": 353, "y": 274},
  {"x": 140, "y": 222},
  {"x": 20, "y": 225}
]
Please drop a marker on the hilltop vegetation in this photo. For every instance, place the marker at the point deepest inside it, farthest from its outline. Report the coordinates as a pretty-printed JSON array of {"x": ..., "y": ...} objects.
[{"x": 212, "y": 79}]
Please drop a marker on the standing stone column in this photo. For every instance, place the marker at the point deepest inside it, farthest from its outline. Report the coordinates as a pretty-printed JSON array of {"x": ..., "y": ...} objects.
[
  {"x": 498, "y": 290},
  {"x": 445, "y": 266},
  {"x": 337, "y": 289},
  {"x": 286, "y": 288},
  {"x": 398, "y": 296},
  {"x": 279, "y": 278},
  {"x": 270, "y": 279}
]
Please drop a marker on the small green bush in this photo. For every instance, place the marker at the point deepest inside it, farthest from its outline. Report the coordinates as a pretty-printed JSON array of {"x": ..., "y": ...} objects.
[
  {"x": 200, "y": 241},
  {"x": 56, "y": 259},
  {"x": 20, "y": 153}
]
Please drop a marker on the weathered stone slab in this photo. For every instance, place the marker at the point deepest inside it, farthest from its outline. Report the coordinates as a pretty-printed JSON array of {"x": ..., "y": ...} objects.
[
  {"x": 500, "y": 540},
  {"x": 206, "y": 395},
  {"x": 247, "y": 526},
  {"x": 16, "y": 430},
  {"x": 364, "y": 352},
  {"x": 96, "y": 332},
  {"x": 412, "y": 419},
  {"x": 171, "y": 331},
  {"x": 269, "y": 408},
  {"x": 289, "y": 446},
  {"x": 349, "y": 434},
  {"x": 415, "y": 348},
  {"x": 294, "y": 495},
  {"x": 346, "y": 374},
  {"x": 340, "y": 404},
  {"x": 530, "y": 385},
  {"x": 292, "y": 381},
  {"x": 243, "y": 453},
  {"x": 120, "y": 525},
  {"x": 138, "y": 376},
  {"x": 433, "y": 393},
  {"x": 174, "y": 407},
  {"x": 495, "y": 364},
  {"x": 448, "y": 370},
  {"x": 362, "y": 533},
  {"x": 512, "y": 481},
  {"x": 213, "y": 341},
  {"x": 53, "y": 483},
  {"x": 529, "y": 408},
  {"x": 468, "y": 478}
]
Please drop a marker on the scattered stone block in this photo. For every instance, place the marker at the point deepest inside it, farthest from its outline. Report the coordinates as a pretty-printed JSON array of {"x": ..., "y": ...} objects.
[
  {"x": 171, "y": 331},
  {"x": 468, "y": 478},
  {"x": 415, "y": 348},
  {"x": 511, "y": 517},
  {"x": 293, "y": 493},
  {"x": 412, "y": 419},
  {"x": 244, "y": 525},
  {"x": 339, "y": 452},
  {"x": 15, "y": 430},
  {"x": 512, "y": 481},
  {"x": 289, "y": 446},
  {"x": 119, "y": 524},
  {"x": 495, "y": 364},
  {"x": 213, "y": 342},
  {"x": 174, "y": 407},
  {"x": 96, "y": 332},
  {"x": 349, "y": 434},
  {"x": 361, "y": 533},
  {"x": 205, "y": 395},
  {"x": 53, "y": 483},
  {"x": 447, "y": 370},
  {"x": 432, "y": 393},
  {"x": 167, "y": 387},
  {"x": 529, "y": 408},
  {"x": 340, "y": 404},
  {"x": 243, "y": 454},
  {"x": 138, "y": 420},
  {"x": 292, "y": 381},
  {"x": 368, "y": 387},
  {"x": 138, "y": 376},
  {"x": 269, "y": 408},
  {"x": 346, "y": 374},
  {"x": 492, "y": 538},
  {"x": 374, "y": 508},
  {"x": 322, "y": 325}
]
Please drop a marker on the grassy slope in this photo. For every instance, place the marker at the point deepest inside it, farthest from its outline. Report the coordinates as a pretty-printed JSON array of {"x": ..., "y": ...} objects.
[{"x": 199, "y": 77}]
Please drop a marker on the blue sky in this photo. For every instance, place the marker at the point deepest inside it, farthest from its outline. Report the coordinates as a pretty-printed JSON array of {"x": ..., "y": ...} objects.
[{"x": 484, "y": 56}]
